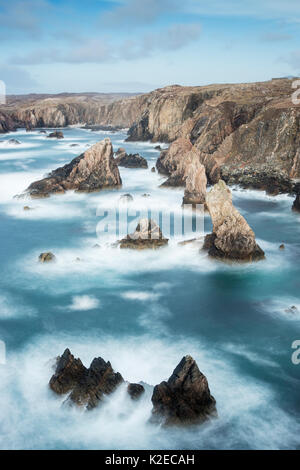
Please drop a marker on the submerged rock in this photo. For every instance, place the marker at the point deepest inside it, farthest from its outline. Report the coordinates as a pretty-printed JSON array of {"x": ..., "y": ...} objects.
[
  {"x": 87, "y": 386},
  {"x": 282, "y": 246},
  {"x": 232, "y": 238},
  {"x": 146, "y": 236},
  {"x": 185, "y": 398},
  {"x": 46, "y": 257},
  {"x": 126, "y": 198},
  {"x": 130, "y": 160},
  {"x": 296, "y": 205},
  {"x": 56, "y": 135},
  {"x": 27, "y": 208},
  {"x": 93, "y": 170},
  {"x": 153, "y": 169},
  {"x": 14, "y": 142},
  {"x": 195, "y": 184},
  {"x": 135, "y": 391}
]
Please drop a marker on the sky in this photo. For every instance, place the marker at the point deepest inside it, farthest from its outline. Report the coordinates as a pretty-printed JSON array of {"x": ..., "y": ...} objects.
[{"x": 54, "y": 46}]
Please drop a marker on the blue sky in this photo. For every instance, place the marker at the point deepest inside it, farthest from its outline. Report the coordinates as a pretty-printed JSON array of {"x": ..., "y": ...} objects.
[{"x": 138, "y": 45}]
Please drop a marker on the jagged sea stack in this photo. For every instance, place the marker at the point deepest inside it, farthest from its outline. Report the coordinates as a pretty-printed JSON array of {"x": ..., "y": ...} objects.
[
  {"x": 93, "y": 170},
  {"x": 232, "y": 238},
  {"x": 89, "y": 386},
  {"x": 185, "y": 398}
]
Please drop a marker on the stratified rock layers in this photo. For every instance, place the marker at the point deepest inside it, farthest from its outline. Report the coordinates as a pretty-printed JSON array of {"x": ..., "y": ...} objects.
[
  {"x": 185, "y": 398},
  {"x": 232, "y": 238},
  {"x": 92, "y": 171}
]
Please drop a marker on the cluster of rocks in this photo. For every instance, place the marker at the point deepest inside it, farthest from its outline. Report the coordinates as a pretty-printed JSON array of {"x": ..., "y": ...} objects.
[
  {"x": 130, "y": 160},
  {"x": 184, "y": 399},
  {"x": 93, "y": 170}
]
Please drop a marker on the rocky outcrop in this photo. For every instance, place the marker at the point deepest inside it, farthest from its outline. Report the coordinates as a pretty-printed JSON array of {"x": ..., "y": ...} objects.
[
  {"x": 195, "y": 184},
  {"x": 56, "y": 135},
  {"x": 296, "y": 205},
  {"x": 86, "y": 387},
  {"x": 146, "y": 236},
  {"x": 130, "y": 160},
  {"x": 185, "y": 398},
  {"x": 44, "y": 257},
  {"x": 135, "y": 391},
  {"x": 232, "y": 238},
  {"x": 93, "y": 170},
  {"x": 174, "y": 161}
]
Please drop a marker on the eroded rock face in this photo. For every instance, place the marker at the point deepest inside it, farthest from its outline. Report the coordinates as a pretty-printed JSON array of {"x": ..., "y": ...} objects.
[
  {"x": 232, "y": 238},
  {"x": 146, "y": 236},
  {"x": 195, "y": 184},
  {"x": 185, "y": 398},
  {"x": 130, "y": 160},
  {"x": 296, "y": 205},
  {"x": 174, "y": 161},
  {"x": 87, "y": 387},
  {"x": 93, "y": 170}
]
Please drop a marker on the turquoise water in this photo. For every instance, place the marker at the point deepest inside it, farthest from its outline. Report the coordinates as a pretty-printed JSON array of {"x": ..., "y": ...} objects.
[{"x": 142, "y": 311}]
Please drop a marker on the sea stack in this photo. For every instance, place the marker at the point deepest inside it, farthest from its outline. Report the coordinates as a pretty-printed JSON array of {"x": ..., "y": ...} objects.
[
  {"x": 195, "y": 184},
  {"x": 87, "y": 387},
  {"x": 93, "y": 170},
  {"x": 185, "y": 398},
  {"x": 232, "y": 238},
  {"x": 147, "y": 235}
]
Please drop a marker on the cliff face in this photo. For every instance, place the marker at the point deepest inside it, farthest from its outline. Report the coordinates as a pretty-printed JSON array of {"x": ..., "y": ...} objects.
[
  {"x": 65, "y": 110},
  {"x": 244, "y": 133}
]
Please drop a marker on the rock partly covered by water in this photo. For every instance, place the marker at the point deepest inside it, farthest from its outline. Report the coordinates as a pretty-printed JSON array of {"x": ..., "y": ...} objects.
[
  {"x": 87, "y": 387},
  {"x": 93, "y": 170},
  {"x": 195, "y": 184},
  {"x": 147, "y": 235},
  {"x": 130, "y": 160},
  {"x": 296, "y": 205},
  {"x": 135, "y": 391},
  {"x": 47, "y": 256},
  {"x": 232, "y": 238},
  {"x": 185, "y": 398},
  {"x": 56, "y": 135}
]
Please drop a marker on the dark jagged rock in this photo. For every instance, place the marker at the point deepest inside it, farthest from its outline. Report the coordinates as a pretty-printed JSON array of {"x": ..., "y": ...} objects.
[
  {"x": 146, "y": 236},
  {"x": 93, "y": 170},
  {"x": 56, "y": 135},
  {"x": 68, "y": 373},
  {"x": 130, "y": 160},
  {"x": 157, "y": 147},
  {"x": 296, "y": 205},
  {"x": 232, "y": 238},
  {"x": 282, "y": 247},
  {"x": 185, "y": 398},
  {"x": 88, "y": 387},
  {"x": 135, "y": 391},
  {"x": 46, "y": 257},
  {"x": 14, "y": 142}
]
